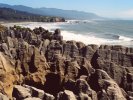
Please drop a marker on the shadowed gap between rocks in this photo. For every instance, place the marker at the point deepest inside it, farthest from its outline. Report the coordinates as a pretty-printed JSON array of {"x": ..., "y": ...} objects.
[
  {"x": 83, "y": 71},
  {"x": 32, "y": 67},
  {"x": 52, "y": 84},
  {"x": 94, "y": 61}
]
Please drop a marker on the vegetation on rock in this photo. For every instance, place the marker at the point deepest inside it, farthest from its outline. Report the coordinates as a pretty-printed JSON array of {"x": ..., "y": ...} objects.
[{"x": 8, "y": 14}]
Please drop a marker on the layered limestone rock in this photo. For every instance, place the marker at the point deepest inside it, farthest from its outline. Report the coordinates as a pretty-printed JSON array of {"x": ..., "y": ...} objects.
[
  {"x": 54, "y": 69},
  {"x": 106, "y": 87},
  {"x": 30, "y": 93},
  {"x": 8, "y": 75},
  {"x": 66, "y": 95},
  {"x": 116, "y": 61}
]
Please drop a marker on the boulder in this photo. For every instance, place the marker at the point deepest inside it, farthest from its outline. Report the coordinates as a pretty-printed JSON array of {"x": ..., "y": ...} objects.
[
  {"x": 66, "y": 95},
  {"x": 35, "y": 92},
  {"x": 57, "y": 35},
  {"x": 83, "y": 88},
  {"x": 20, "y": 92}
]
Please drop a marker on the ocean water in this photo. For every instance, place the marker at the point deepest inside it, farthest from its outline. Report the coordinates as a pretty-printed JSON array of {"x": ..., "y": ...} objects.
[{"x": 111, "y": 32}]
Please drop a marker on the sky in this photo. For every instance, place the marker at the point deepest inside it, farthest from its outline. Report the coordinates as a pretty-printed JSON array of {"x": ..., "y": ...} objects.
[{"x": 105, "y": 8}]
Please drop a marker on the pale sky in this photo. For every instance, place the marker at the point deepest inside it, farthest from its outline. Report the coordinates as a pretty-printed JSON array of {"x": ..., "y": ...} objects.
[{"x": 105, "y": 8}]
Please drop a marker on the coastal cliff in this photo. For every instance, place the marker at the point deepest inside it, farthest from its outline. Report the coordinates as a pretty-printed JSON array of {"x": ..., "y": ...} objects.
[
  {"x": 39, "y": 65},
  {"x": 11, "y": 15}
]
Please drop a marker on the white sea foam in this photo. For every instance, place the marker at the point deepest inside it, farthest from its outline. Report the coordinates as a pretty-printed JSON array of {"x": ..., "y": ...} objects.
[
  {"x": 67, "y": 35},
  {"x": 32, "y": 25},
  {"x": 48, "y": 26},
  {"x": 88, "y": 38},
  {"x": 80, "y": 21},
  {"x": 125, "y": 38}
]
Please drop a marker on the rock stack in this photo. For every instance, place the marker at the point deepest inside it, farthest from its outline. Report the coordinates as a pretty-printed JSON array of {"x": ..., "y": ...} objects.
[{"x": 39, "y": 65}]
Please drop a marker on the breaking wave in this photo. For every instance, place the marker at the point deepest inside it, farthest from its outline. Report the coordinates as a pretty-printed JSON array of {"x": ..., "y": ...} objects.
[{"x": 90, "y": 39}]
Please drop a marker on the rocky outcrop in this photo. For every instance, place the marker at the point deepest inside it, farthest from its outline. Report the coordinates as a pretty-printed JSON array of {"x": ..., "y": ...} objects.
[
  {"x": 39, "y": 65},
  {"x": 83, "y": 90},
  {"x": 26, "y": 92},
  {"x": 20, "y": 92},
  {"x": 3, "y": 97},
  {"x": 106, "y": 88},
  {"x": 66, "y": 95},
  {"x": 116, "y": 61}
]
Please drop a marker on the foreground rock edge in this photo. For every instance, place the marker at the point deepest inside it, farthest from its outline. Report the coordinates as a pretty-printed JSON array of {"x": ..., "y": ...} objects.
[{"x": 61, "y": 69}]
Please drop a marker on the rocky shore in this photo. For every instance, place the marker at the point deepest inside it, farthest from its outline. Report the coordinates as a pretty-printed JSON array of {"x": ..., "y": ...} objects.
[{"x": 40, "y": 65}]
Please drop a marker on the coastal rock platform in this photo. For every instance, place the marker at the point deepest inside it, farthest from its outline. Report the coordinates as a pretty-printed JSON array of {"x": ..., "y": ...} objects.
[{"x": 39, "y": 65}]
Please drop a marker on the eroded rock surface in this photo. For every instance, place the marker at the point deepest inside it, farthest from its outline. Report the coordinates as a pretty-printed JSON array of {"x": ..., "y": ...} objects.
[{"x": 39, "y": 65}]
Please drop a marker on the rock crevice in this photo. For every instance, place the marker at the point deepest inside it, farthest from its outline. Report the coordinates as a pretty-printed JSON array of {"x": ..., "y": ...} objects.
[{"x": 39, "y": 65}]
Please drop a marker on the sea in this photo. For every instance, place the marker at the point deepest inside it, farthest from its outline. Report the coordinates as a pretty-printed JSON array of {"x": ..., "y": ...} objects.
[{"x": 100, "y": 32}]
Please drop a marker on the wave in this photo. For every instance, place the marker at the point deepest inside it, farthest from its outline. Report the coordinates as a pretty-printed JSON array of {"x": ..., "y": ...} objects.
[
  {"x": 125, "y": 38},
  {"x": 48, "y": 26},
  {"x": 90, "y": 39},
  {"x": 87, "y": 39},
  {"x": 119, "y": 37},
  {"x": 80, "y": 21}
]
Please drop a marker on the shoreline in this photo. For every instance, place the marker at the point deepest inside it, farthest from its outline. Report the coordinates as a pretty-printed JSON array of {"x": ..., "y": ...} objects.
[{"x": 68, "y": 35}]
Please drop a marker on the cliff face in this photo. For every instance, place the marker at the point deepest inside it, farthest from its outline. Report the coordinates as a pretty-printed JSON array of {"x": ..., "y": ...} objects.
[{"x": 40, "y": 65}]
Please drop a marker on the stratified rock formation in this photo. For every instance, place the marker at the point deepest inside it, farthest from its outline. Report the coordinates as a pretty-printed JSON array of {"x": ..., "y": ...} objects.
[{"x": 40, "y": 65}]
